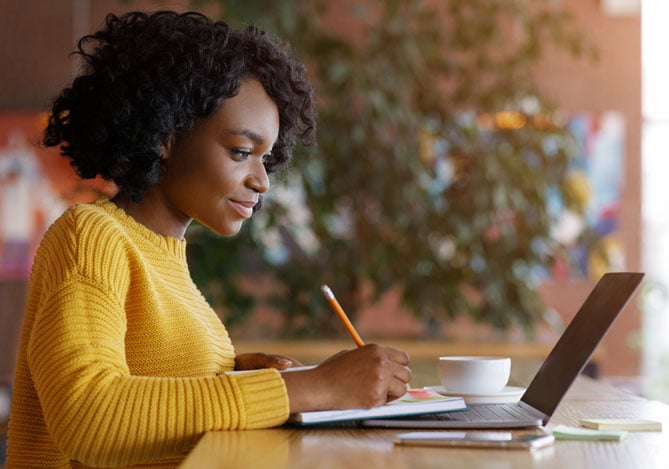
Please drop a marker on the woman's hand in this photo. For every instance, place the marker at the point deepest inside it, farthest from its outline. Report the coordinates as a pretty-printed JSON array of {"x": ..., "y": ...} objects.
[
  {"x": 365, "y": 377},
  {"x": 257, "y": 361}
]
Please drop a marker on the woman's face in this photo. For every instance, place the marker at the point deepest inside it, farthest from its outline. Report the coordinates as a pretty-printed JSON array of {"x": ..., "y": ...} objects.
[{"x": 215, "y": 173}]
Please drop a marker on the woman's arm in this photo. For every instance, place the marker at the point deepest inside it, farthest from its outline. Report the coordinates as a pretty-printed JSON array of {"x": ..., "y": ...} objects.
[{"x": 99, "y": 413}]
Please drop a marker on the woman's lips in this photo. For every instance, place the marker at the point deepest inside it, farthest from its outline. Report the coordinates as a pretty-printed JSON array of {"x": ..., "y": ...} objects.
[{"x": 243, "y": 208}]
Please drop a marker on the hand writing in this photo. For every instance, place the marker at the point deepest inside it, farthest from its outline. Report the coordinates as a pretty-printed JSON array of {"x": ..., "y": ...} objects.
[{"x": 364, "y": 377}]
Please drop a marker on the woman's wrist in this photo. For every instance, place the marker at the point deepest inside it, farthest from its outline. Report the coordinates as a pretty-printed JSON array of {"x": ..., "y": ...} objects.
[{"x": 304, "y": 392}]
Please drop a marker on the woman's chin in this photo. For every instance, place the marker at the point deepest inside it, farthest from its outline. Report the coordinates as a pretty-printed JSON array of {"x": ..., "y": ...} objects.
[{"x": 228, "y": 230}]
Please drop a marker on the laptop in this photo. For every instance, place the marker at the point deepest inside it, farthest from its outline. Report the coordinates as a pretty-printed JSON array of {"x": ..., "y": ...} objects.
[{"x": 563, "y": 364}]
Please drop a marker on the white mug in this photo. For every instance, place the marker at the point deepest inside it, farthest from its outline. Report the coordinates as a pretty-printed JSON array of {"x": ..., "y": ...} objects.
[{"x": 474, "y": 375}]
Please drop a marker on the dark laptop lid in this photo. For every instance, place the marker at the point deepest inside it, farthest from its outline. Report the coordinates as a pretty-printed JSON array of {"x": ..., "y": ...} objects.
[{"x": 579, "y": 340}]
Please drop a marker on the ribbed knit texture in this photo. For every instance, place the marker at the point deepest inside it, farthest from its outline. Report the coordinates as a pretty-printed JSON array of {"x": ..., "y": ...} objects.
[{"x": 120, "y": 354}]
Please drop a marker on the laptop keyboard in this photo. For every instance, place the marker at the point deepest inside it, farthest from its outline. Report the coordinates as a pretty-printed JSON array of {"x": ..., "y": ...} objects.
[{"x": 487, "y": 413}]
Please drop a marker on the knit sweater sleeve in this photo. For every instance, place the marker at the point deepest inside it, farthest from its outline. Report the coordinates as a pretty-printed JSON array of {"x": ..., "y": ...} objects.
[{"x": 99, "y": 414}]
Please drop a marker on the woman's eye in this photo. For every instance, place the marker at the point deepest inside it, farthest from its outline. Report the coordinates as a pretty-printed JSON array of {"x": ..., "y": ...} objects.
[{"x": 240, "y": 154}]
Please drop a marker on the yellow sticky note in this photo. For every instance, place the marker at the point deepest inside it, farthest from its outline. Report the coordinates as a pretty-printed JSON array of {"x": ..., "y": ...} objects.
[{"x": 622, "y": 424}]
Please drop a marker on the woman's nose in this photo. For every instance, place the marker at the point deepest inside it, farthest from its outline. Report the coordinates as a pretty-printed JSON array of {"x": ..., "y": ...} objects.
[{"x": 258, "y": 178}]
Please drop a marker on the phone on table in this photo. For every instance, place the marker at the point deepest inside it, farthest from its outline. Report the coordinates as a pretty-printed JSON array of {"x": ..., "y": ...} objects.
[{"x": 476, "y": 439}]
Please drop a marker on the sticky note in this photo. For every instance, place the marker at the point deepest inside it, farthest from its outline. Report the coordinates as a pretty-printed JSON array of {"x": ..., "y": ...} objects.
[
  {"x": 564, "y": 432},
  {"x": 622, "y": 424}
]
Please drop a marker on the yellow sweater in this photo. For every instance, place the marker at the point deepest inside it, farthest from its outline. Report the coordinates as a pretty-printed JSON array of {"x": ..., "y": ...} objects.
[{"x": 120, "y": 353}]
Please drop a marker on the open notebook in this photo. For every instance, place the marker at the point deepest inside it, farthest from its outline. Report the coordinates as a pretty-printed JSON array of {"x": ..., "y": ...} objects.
[{"x": 414, "y": 402}]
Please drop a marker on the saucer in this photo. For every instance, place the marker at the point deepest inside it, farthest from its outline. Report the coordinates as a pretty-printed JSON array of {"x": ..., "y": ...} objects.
[{"x": 508, "y": 394}]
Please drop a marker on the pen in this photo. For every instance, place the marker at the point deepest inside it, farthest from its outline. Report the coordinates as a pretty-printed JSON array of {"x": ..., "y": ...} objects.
[{"x": 342, "y": 315}]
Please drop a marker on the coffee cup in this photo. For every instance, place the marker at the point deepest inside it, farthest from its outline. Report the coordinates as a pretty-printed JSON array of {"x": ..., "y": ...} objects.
[{"x": 474, "y": 374}]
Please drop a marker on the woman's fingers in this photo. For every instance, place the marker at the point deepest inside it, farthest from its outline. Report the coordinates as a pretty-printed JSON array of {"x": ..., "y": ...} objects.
[
  {"x": 399, "y": 385},
  {"x": 258, "y": 360},
  {"x": 403, "y": 374},
  {"x": 396, "y": 390},
  {"x": 398, "y": 356}
]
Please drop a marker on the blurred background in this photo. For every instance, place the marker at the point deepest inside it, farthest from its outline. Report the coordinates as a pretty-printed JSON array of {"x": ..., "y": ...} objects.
[{"x": 479, "y": 165}]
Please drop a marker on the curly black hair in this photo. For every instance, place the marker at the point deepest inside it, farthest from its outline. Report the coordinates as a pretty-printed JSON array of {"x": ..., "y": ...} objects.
[{"x": 147, "y": 77}]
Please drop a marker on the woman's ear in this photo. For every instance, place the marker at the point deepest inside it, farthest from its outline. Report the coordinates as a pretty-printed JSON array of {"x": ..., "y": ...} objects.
[{"x": 165, "y": 149}]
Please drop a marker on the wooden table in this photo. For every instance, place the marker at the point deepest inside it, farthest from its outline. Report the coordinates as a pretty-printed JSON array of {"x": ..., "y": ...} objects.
[{"x": 372, "y": 448}]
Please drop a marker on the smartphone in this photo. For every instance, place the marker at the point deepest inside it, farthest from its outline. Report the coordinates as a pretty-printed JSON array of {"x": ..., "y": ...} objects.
[{"x": 476, "y": 439}]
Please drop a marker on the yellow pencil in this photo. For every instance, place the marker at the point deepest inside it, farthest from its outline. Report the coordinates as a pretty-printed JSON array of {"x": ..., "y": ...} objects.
[{"x": 342, "y": 315}]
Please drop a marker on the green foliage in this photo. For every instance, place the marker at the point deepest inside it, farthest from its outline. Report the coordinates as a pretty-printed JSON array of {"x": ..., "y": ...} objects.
[{"x": 413, "y": 183}]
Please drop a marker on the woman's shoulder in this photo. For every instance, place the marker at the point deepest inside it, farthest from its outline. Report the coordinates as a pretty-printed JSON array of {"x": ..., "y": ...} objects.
[
  {"x": 85, "y": 220},
  {"x": 86, "y": 233},
  {"x": 86, "y": 240}
]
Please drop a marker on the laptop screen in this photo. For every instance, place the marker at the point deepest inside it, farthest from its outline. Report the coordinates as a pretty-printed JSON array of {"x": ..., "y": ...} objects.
[{"x": 579, "y": 340}]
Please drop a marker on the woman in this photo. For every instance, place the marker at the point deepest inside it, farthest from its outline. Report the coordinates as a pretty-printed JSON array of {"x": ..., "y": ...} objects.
[{"x": 122, "y": 361}]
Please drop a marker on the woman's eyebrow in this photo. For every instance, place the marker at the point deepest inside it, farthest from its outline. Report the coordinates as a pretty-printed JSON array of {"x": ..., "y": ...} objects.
[{"x": 250, "y": 134}]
